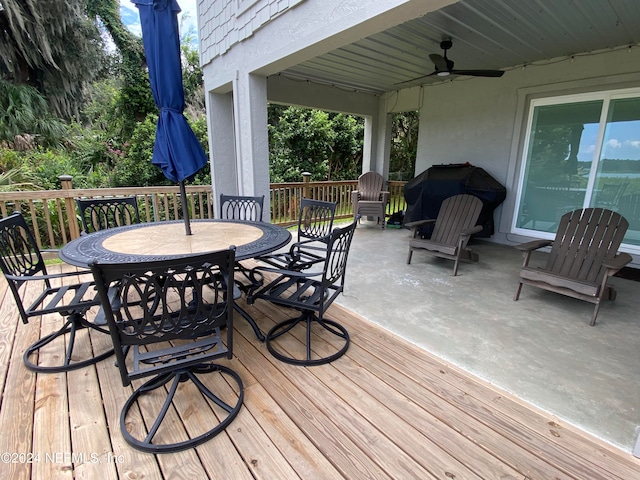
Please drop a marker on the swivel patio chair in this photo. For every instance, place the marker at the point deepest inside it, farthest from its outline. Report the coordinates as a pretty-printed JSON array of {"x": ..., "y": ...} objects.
[
  {"x": 315, "y": 222},
  {"x": 311, "y": 293},
  {"x": 583, "y": 256},
  {"x": 234, "y": 207},
  {"x": 166, "y": 324},
  {"x": 102, "y": 213},
  {"x": 452, "y": 229},
  {"x": 22, "y": 263},
  {"x": 369, "y": 200}
]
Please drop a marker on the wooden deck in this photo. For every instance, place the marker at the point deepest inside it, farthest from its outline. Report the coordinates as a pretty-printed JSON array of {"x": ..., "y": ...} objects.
[{"x": 387, "y": 409}]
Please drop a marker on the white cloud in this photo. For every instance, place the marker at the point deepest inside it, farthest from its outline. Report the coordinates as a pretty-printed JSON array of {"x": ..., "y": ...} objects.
[
  {"x": 614, "y": 143},
  {"x": 633, "y": 143}
]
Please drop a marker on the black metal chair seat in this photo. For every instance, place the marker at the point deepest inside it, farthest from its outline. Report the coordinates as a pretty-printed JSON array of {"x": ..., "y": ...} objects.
[
  {"x": 311, "y": 293},
  {"x": 22, "y": 262},
  {"x": 315, "y": 222},
  {"x": 102, "y": 213},
  {"x": 166, "y": 323}
]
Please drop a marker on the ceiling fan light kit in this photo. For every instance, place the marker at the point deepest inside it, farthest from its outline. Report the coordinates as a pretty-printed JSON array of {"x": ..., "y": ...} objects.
[{"x": 444, "y": 66}]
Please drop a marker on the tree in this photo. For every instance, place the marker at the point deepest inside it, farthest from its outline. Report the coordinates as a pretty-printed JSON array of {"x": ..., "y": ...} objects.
[
  {"x": 134, "y": 100},
  {"x": 329, "y": 146},
  {"x": 404, "y": 145},
  {"x": 52, "y": 46},
  {"x": 25, "y": 119}
]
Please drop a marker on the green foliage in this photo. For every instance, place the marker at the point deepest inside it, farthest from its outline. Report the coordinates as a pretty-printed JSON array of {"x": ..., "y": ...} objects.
[
  {"x": 133, "y": 166},
  {"x": 52, "y": 46},
  {"x": 301, "y": 140},
  {"x": 23, "y": 111},
  {"x": 42, "y": 168},
  {"x": 404, "y": 145}
]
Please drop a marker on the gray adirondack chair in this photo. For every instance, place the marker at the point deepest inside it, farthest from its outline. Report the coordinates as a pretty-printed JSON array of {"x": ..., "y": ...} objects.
[
  {"x": 583, "y": 256},
  {"x": 370, "y": 200},
  {"x": 453, "y": 227}
]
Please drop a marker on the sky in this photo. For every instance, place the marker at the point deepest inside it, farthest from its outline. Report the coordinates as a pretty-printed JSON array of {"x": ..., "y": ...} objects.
[
  {"x": 188, "y": 16},
  {"x": 621, "y": 142}
]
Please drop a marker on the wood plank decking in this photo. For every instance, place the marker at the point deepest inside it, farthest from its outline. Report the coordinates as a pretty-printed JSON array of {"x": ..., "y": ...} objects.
[{"x": 387, "y": 409}]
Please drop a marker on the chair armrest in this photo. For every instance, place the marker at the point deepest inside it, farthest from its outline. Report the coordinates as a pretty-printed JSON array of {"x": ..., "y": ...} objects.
[
  {"x": 309, "y": 243},
  {"x": 470, "y": 231},
  {"x": 384, "y": 196},
  {"x": 617, "y": 262},
  {"x": 420, "y": 223},
  {"x": 355, "y": 196},
  {"x": 48, "y": 277},
  {"x": 533, "y": 245}
]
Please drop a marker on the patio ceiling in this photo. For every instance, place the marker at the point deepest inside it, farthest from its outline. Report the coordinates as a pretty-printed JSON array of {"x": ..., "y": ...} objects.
[{"x": 487, "y": 34}]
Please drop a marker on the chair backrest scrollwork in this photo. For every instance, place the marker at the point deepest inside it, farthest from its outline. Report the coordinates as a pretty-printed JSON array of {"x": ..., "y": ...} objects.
[
  {"x": 102, "y": 213},
  {"x": 235, "y": 207}
]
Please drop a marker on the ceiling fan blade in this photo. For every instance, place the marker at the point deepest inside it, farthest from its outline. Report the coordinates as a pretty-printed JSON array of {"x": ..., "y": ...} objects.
[
  {"x": 416, "y": 79},
  {"x": 439, "y": 61},
  {"x": 479, "y": 73}
]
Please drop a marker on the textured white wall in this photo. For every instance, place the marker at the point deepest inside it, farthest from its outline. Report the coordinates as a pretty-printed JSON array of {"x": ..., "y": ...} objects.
[{"x": 481, "y": 120}]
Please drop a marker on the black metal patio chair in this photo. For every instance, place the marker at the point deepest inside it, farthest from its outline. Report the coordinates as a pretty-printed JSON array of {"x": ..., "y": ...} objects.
[
  {"x": 311, "y": 293},
  {"x": 167, "y": 323},
  {"x": 102, "y": 213},
  {"x": 234, "y": 207},
  {"x": 238, "y": 207},
  {"x": 315, "y": 222},
  {"x": 22, "y": 262}
]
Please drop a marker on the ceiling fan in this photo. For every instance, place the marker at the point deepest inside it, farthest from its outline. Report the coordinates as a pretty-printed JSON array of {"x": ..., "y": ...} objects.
[{"x": 444, "y": 66}]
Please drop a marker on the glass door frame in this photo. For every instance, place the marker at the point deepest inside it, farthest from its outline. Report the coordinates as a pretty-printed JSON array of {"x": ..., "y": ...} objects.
[{"x": 606, "y": 97}]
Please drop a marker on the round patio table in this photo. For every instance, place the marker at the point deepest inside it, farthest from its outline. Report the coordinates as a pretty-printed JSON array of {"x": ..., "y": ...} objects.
[{"x": 145, "y": 242}]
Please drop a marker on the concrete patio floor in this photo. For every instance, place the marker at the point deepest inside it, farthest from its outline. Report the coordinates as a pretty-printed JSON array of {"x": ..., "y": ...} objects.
[{"x": 540, "y": 348}]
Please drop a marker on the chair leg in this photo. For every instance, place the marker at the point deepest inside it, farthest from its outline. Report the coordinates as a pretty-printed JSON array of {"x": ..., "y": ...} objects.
[
  {"x": 595, "y": 313},
  {"x": 251, "y": 321},
  {"x": 518, "y": 290},
  {"x": 455, "y": 265},
  {"x": 306, "y": 320},
  {"x": 410, "y": 255},
  {"x": 74, "y": 323},
  {"x": 226, "y": 408}
]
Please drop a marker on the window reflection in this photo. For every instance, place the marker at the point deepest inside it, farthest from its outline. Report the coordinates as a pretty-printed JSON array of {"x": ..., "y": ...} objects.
[{"x": 567, "y": 167}]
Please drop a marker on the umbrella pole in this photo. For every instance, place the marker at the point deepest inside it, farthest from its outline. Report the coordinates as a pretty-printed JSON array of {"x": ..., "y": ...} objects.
[{"x": 185, "y": 209}]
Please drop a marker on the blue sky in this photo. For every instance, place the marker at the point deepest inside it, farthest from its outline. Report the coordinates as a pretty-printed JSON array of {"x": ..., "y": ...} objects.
[
  {"x": 622, "y": 141},
  {"x": 188, "y": 16}
]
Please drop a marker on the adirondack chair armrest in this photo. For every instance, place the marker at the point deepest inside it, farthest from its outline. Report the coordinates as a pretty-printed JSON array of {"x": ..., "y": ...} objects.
[
  {"x": 533, "y": 245},
  {"x": 467, "y": 232},
  {"x": 528, "y": 247},
  {"x": 616, "y": 263},
  {"x": 384, "y": 196},
  {"x": 419, "y": 223}
]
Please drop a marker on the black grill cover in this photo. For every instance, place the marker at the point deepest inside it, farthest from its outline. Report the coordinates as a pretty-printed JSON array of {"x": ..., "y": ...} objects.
[{"x": 424, "y": 194}]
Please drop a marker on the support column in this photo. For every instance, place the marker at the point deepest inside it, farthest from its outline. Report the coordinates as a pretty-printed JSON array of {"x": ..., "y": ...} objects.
[
  {"x": 222, "y": 148},
  {"x": 377, "y": 142},
  {"x": 251, "y": 136}
]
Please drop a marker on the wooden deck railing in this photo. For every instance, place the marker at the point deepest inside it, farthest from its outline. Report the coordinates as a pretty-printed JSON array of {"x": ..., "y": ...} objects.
[{"x": 54, "y": 218}]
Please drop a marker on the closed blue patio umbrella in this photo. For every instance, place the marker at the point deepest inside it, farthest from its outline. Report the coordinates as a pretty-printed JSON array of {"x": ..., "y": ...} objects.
[{"x": 177, "y": 151}]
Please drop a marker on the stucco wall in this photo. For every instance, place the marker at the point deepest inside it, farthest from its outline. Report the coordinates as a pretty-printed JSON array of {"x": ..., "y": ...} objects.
[{"x": 480, "y": 120}]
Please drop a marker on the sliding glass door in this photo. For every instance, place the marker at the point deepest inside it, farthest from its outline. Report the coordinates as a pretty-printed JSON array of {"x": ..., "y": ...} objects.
[{"x": 580, "y": 151}]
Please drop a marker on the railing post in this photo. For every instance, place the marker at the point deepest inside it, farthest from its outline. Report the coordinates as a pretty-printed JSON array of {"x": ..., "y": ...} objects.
[
  {"x": 66, "y": 183},
  {"x": 306, "y": 178}
]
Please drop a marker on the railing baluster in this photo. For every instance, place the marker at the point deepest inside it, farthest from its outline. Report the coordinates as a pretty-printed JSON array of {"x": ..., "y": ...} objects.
[{"x": 161, "y": 204}]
